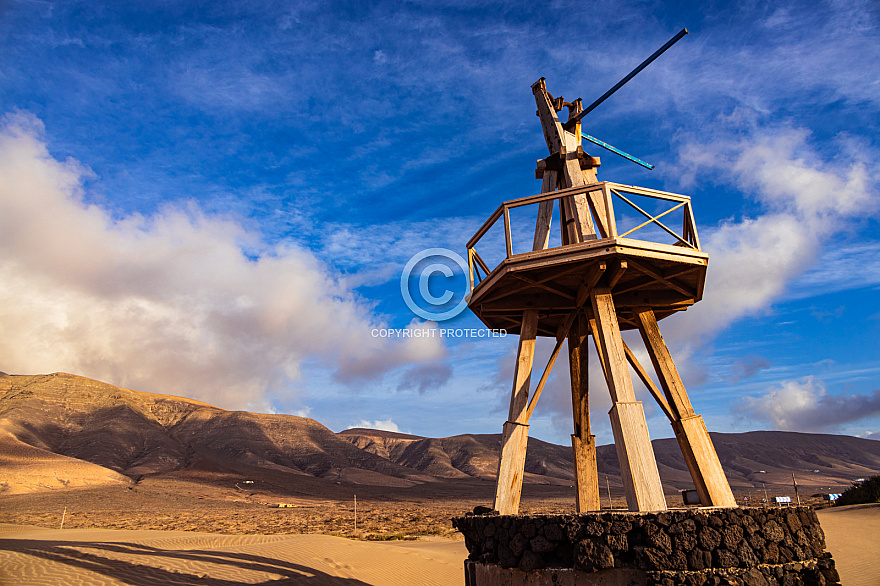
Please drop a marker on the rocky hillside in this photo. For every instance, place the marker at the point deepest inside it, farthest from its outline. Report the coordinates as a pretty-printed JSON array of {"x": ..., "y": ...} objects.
[
  {"x": 62, "y": 430},
  {"x": 51, "y": 421}
]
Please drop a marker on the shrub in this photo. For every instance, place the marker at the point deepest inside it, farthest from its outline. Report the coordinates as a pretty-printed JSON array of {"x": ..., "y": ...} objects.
[{"x": 862, "y": 492}]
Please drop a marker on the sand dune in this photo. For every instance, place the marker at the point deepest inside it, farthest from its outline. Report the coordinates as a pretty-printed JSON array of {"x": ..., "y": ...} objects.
[
  {"x": 28, "y": 468},
  {"x": 32, "y": 556},
  {"x": 852, "y": 535},
  {"x": 146, "y": 558}
]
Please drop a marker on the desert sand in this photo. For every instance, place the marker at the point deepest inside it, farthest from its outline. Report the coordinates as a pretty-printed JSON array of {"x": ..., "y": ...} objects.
[
  {"x": 852, "y": 535},
  {"x": 31, "y": 555}
]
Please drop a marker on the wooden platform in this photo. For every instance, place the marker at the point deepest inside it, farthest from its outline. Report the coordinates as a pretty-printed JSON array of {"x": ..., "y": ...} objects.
[{"x": 665, "y": 277}]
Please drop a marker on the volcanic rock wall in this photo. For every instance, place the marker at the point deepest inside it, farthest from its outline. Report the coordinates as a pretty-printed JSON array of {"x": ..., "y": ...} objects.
[{"x": 702, "y": 546}]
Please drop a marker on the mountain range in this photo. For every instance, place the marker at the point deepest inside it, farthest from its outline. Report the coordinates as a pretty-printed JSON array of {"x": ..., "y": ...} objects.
[{"x": 63, "y": 431}]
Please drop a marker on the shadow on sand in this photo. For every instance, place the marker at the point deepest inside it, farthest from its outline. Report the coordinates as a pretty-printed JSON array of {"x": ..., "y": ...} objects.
[{"x": 131, "y": 572}]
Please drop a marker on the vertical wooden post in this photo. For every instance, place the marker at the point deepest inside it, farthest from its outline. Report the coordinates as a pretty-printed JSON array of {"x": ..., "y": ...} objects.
[
  {"x": 690, "y": 430},
  {"x": 545, "y": 213},
  {"x": 578, "y": 223},
  {"x": 583, "y": 443},
  {"x": 516, "y": 431},
  {"x": 641, "y": 480}
]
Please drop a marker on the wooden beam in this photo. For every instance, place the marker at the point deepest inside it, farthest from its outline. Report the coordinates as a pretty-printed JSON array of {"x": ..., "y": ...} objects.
[
  {"x": 654, "y": 219},
  {"x": 485, "y": 227},
  {"x": 546, "y": 375},
  {"x": 543, "y": 286},
  {"x": 693, "y": 227},
  {"x": 638, "y": 467},
  {"x": 510, "y": 319},
  {"x": 511, "y": 467},
  {"x": 646, "y": 214},
  {"x": 545, "y": 213},
  {"x": 549, "y": 121},
  {"x": 583, "y": 442},
  {"x": 656, "y": 299},
  {"x": 651, "y": 280},
  {"x": 552, "y": 275},
  {"x": 590, "y": 280},
  {"x": 524, "y": 359},
  {"x": 673, "y": 387},
  {"x": 594, "y": 331},
  {"x": 507, "y": 238},
  {"x": 572, "y": 176},
  {"x": 616, "y": 273},
  {"x": 511, "y": 464},
  {"x": 578, "y": 361},
  {"x": 553, "y": 195},
  {"x": 665, "y": 280},
  {"x": 599, "y": 206},
  {"x": 610, "y": 346},
  {"x": 646, "y": 380},
  {"x": 703, "y": 463},
  {"x": 482, "y": 264},
  {"x": 565, "y": 144},
  {"x": 694, "y": 440}
]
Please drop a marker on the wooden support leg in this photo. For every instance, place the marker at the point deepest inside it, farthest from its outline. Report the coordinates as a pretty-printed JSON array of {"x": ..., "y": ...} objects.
[
  {"x": 696, "y": 445},
  {"x": 703, "y": 462},
  {"x": 583, "y": 443},
  {"x": 641, "y": 480},
  {"x": 511, "y": 467},
  {"x": 513, "y": 444},
  {"x": 586, "y": 473}
]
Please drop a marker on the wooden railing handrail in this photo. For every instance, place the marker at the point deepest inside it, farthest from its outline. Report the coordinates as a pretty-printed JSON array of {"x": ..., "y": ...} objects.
[
  {"x": 485, "y": 227},
  {"x": 688, "y": 237}
]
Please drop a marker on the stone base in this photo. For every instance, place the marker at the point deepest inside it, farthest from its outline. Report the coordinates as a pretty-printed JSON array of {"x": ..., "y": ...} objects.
[
  {"x": 690, "y": 547},
  {"x": 811, "y": 573},
  {"x": 477, "y": 574}
]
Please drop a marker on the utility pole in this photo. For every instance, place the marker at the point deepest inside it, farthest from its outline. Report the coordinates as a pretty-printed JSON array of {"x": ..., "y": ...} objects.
[
  {"x": 796, "y": 494},
  {"x": 608, "y": 486},
  {"x": 355, "y": 515}
]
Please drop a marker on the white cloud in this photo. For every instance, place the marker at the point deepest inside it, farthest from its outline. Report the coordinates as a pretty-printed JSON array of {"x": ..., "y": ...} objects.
[
  {"x": 804, "y": 405},
  {"x": 841, "y": 267},
  {"x": 384, "y": 425},
  {"x": 167, "y": 302},
  {"x": 804, "y": 201},
  {"x": 304, "y": 412}
]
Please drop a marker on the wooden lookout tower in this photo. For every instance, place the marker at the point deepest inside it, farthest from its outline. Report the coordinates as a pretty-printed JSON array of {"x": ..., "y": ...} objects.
[{"x": 599, "y": 280}]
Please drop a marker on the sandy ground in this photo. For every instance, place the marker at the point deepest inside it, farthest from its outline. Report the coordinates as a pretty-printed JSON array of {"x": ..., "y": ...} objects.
[
  {"x": 148, "y": 558},
  {"x": 31, "y": 556},
  {"x": 852, "y": 535}
]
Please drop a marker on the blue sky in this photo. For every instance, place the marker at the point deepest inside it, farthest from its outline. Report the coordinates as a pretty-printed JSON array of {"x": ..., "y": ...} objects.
[{"x": 216, "y": 200}]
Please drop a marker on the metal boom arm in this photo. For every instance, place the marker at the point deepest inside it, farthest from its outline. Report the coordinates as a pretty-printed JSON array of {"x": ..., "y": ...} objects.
[{"x": 572, "y": 121}]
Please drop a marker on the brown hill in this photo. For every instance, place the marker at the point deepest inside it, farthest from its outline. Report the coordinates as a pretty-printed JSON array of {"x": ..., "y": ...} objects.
[
  {"x": 70, "y": 419},
  {"x": 463, "y": 456},
  {"x": 63, "y": 430},
  {"x": 749, "y": 459}
]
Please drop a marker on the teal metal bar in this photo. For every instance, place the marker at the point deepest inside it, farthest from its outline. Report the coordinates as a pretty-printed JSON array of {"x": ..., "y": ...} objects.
[{"x": 616, "y": 151}]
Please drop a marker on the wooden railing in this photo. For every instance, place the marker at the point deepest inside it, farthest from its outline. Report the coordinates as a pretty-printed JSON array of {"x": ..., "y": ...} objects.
[{"x": 607, "y": 225}]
